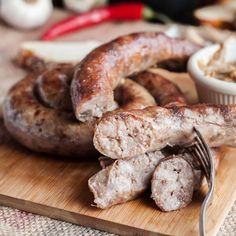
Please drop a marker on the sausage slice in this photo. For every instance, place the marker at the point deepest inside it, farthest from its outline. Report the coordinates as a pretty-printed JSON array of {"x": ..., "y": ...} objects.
[
  {"x": 123, "y": 180},
  {"x": 172, "y": 184}
]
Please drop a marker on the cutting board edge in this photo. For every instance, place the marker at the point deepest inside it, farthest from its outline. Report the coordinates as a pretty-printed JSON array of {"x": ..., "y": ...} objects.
[
  {"x": 89, "y": 221},
  {"x": 74, "y": 218},
  {"x": 223, "y": 216}
]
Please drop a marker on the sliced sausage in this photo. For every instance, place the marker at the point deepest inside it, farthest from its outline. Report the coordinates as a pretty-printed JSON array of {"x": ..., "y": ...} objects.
[
  {"x": 197, "y": 169},
  {"x": 107, "y": 185},
  {"x": 102, "y": 70},
  {"x": 123, "y": 180},
  {"x": 172, "y": 183},
  {"x": 130, "y": 133}
]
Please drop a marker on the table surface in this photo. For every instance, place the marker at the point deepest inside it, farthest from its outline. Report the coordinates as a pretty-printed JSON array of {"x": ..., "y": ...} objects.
[{"x": 13, "y": 221}]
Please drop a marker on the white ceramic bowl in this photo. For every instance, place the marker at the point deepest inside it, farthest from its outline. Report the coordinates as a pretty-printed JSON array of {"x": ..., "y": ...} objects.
[{"x": 211, "y": 90}]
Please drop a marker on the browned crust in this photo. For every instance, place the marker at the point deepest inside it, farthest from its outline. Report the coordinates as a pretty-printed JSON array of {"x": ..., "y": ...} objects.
[
  {"x": 44, "y": 129},
  {"x": 163, "y": 90},
  {"x": 26, "y": 59},
  {"x": 131, "y": 95},
  {"x": 52, "y": 87},
  {"x": 101, "y": 71},
  {"x": 35, "y": 117}
]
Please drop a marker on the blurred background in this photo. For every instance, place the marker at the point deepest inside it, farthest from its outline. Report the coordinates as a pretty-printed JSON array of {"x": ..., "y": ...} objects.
[
  {"x": 30, "y": 14},
  {"x": 178, "y": 10}
]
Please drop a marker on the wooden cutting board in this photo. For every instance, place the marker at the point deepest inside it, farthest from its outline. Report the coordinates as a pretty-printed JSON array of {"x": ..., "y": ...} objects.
[{"x": 56, "y": 187}]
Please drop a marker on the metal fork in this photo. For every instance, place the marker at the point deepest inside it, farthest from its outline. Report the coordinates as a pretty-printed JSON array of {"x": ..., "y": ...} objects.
[{"x": 200, "y": 151}]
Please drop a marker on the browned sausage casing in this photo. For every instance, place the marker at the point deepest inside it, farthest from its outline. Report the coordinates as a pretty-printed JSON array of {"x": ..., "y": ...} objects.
[
  {"x": 52, "y": 87},
  {"x": 131, "y": 133},
  {"x": 101, "y": 71},
  {"x": 164, "y": 91},
  {"x": 130, "y": 95},
  {"x": 38, "y": 113},
  {"x": 44, "y": 129}
]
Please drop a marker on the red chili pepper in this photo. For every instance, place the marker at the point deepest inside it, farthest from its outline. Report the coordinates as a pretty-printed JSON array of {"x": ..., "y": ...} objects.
[{"x": 123, "y": 11}]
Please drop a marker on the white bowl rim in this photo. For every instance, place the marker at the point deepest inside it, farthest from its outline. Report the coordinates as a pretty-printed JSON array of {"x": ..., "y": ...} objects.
[{"x": 199, "y": 76}]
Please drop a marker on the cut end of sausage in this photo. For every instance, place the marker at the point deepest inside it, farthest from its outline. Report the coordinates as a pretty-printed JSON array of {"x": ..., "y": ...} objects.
[
  {"x": 173, "y": 184},
  {"x": 123, "y": 180},
  {"x": 94, "y": 108},
  {"x": 123, "y": 135}
]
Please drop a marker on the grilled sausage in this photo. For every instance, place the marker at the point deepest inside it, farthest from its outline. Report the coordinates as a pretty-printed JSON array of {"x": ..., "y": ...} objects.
[
  {"x": 164, "y": 91},
  {"x": 37, "y": 113},
  {"x": 107, "y": 185},
  {"x": 52, "y": 87},
  {"x": 109, "y": 191},
  {"x": 44, "y": 129},
  {"x": 172, "y": 183},
  {"x": 102, "y": 70},
  {"x": 131, "y": 95},
  {"x": 132, "y": 133}
]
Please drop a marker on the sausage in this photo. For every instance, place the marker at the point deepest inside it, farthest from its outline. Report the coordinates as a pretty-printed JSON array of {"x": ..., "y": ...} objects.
[
  {"x": 172, "y": 183},
  {"x": 107, "y": 184},
  {"x": 164, "y": 91},
  {"x": 123, "y": 180},
  {"x": 131, "y": 133},
  {"x": 197, "y": 169},
  {"x": 28, "y": 60},
  {"x": 168, "y": 94},
  {"x": 102, "y": 69},
  {"x": 37, "y": 114},
  {"x": 133, "y": 96},
  {"x": 52, "y": 87},
  {"x": 44, "y": 129}
]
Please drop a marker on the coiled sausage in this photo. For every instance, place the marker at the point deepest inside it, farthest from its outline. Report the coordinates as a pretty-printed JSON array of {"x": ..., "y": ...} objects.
[
  {"x": 38, "y": 113},
  {"x": 102, "y": 69}
]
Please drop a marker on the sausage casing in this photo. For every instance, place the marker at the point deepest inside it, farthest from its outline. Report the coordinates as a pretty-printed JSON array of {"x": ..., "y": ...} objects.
[{"x": 102, "y": 70}]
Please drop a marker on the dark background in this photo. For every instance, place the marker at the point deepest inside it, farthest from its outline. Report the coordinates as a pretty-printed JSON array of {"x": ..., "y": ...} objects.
[{"x": 179, "y": 10}]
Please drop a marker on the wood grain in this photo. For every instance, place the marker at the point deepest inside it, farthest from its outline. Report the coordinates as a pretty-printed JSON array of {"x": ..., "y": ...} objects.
[{"x": 56, "y": 187}]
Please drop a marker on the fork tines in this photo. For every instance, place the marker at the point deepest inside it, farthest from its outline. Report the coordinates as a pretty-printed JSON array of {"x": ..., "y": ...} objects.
[{"x": 200, "y": 151}]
